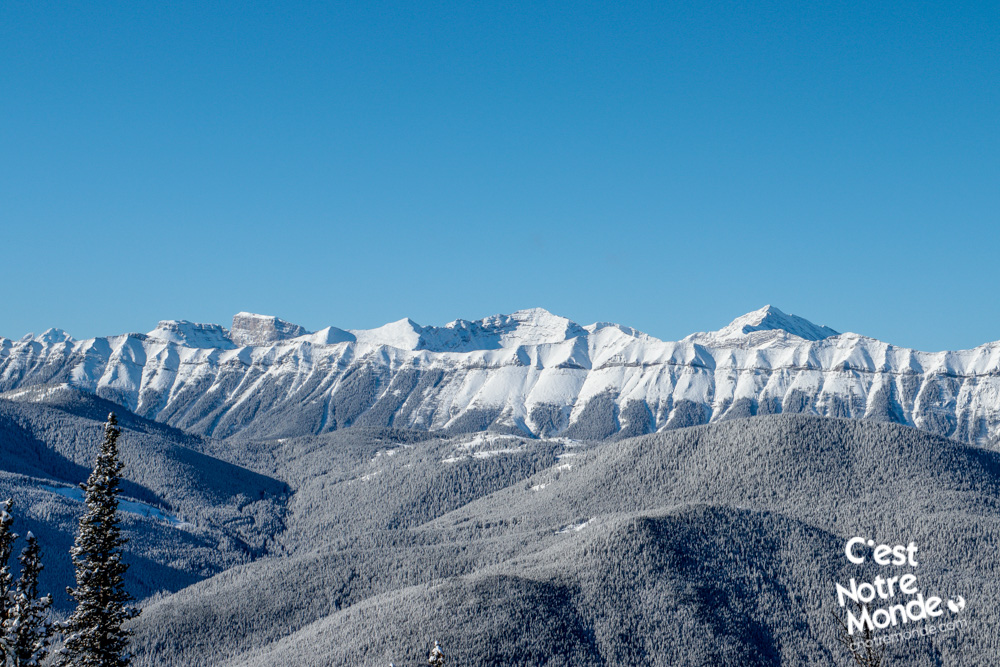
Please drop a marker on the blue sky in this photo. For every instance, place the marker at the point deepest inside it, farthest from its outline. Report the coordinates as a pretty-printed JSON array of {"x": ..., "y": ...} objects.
[{"x": 664, "y": 165}]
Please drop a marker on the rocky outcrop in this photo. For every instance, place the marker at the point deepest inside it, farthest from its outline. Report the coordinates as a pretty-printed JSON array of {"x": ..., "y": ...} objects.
[{"x": 251, "y": 329}]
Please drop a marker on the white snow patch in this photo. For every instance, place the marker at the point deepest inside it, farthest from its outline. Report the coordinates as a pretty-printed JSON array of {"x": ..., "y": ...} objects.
[
  {"x": 390, "y": 452},
  {"x": 497, "y": 452},
  {"x": 36, "y": 393},
  {"x": 488, "y": 439},
  {"x": 130, "y": 506},
  {"x": 574, "y": 528},
  {"x": 469, "y": 449}
]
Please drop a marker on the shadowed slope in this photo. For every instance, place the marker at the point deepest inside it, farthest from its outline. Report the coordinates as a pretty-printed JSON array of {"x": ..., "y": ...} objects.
[{"x": 187, "y": 515}]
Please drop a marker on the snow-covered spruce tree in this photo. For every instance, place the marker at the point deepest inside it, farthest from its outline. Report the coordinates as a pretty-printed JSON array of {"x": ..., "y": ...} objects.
[
  {"x": 7, "y": 538},
  {"x": 94, "y": 633},
  {"x": 28, "y": 631},
  {"x": 436, "y": 658}
]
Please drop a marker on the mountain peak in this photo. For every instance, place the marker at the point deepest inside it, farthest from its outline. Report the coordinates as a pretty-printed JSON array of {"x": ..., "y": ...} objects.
[
  {"x": 253, "y": 329},
  {"x": 535, "y": 314},
  {"x": 192, "y": 334},
  {"x": 54, "y": 336},
  {"x": 329, "y": 336},
  {"x": 769, "y": 318},
  {"x": 537, "y": 325},
  {"x": 532, "y": 326},
  {"x": 404, "y": 334}
]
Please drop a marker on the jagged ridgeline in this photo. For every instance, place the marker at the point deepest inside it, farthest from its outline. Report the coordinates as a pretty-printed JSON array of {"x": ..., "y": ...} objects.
[{"x": 530, "y": 373}]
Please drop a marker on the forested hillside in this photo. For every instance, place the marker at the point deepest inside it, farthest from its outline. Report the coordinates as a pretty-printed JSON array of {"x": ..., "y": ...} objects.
[{"x": 711, "y": 545}]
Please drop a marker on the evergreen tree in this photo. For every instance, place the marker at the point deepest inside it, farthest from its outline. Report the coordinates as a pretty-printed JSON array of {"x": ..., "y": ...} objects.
[
  {"x": 95, "y": 636},
  {"x": 436, "y": 658},
  {"x": 28, "y": 631},
  {"x": 7, "y": 538}
]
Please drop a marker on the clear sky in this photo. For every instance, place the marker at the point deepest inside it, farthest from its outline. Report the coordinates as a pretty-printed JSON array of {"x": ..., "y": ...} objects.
[{"x": 666, "y": 165}]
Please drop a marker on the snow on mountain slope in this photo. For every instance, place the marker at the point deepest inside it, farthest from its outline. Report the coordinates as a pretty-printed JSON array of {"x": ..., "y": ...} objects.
[
  {"x": 766, "y": 319},
  {"x": 404, "y": 334},
  {"x": 328, "y": 336},
  {"x": 191, "y": 334},
  {"x": 530, "y": 372},
  {"x": 132, "y": 506},
  {"x": 534, "y": 326}
]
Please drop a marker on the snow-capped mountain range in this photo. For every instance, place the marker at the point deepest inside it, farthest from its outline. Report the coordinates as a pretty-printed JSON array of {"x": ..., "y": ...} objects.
[{"x": 530, "y": 372}]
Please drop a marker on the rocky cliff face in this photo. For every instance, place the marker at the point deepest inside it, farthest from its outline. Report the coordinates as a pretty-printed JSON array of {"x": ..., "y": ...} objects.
[
  {"x": 251, "y": 329},
  {"x": 530, "y": 372}
]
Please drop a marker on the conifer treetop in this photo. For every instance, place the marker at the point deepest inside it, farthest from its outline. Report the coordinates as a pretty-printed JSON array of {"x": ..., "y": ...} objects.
[{"x": 95, "y": 636}]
